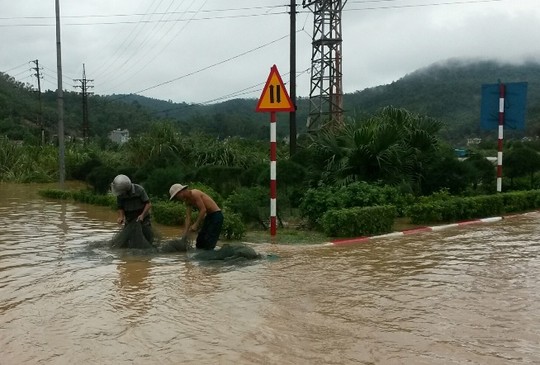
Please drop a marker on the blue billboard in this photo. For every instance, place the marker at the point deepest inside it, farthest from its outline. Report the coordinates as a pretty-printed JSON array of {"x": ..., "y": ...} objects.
[{"x": 515, "y": 105}]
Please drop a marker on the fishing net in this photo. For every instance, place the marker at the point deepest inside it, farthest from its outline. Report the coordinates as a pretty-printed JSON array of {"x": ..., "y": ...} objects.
[
  {"x": 176, "y": 245},
  {"x": 228, "y": 252},
  {"x": 134, "y": 235},
  {"x": 139, "y": 236}
]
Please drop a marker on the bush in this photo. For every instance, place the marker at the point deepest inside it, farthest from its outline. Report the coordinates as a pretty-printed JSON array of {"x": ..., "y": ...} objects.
[
  {"x": 100, "y": 178},
  {"x": 248, "y": 204},
  {"x": 318, "y": 201},
  {"x": 88, "y": 197},
  {"x": 233, "y": 227},
  {"x": 168, "y": 213},
  {"x": 159, "y": 181},
  {"x": 349, "y": 222},
  {"x": 453, "y": 209}
]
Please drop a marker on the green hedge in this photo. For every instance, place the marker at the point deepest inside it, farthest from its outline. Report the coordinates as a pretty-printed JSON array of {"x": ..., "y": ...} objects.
[
  {"x": 458, "y": 208},
  {"x": 317, "y": 201},
  {"x": 349, "y": 222}
]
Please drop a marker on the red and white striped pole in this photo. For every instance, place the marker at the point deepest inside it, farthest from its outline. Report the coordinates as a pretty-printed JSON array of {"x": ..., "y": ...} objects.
[
  {"x": 501, "y": 133},
  {"x": 274, "y": 98},
  {"x": 273, "y": 183}
]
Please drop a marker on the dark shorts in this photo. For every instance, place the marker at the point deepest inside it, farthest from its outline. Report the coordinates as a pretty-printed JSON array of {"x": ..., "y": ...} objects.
[{"x": 210, "y": 231}]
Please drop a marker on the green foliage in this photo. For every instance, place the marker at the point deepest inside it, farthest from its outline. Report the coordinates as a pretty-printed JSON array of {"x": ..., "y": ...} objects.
[
  {"x": 233, "y": 227},
  {"x": 27, "y": 163},
  {"x": 454, "y": 209},
  {"x": 159, "y": 181},
  {"x": 318, "y": 201},
  {"x": 82, "y": 196},
  {"x": 249, "y": 204},
  {"x": 522, "y": 161},
  {"x": 168, "y": 213},
  {"x": 88, "y": 197},
  {"x": 357, "y": 221},
  {"x": 481, "y": 174},
  {"x": 444, "y": 171},
  {"x": 390, "y": 146},
  {"x": 56, "y": 194},
  {"x": 100, "y": 178},
  {"x": 224, "y": 179}
]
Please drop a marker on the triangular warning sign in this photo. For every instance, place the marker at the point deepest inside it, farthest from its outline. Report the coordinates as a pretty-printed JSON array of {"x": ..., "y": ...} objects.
[{"x": 274, "y": 97}]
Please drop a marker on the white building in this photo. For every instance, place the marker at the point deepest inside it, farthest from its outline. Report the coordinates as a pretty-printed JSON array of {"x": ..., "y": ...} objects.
[{"x": 119, "y": 136}]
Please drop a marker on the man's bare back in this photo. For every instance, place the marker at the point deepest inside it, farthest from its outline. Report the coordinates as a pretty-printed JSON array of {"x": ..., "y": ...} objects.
[{"x": 201, "y": 201}]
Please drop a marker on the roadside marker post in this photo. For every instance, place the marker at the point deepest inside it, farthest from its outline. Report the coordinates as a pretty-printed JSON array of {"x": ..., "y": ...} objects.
[
  {"x": 274, "y": 98},
  {"x": 503, "y": 106}
]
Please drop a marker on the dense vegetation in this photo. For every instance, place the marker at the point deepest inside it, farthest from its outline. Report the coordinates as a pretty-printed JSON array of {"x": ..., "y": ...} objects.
[{"x": 383, "y": 162}]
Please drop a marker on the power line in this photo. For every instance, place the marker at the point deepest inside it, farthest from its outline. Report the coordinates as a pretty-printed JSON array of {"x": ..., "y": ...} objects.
[
  {"x": 404, "y": 6},
  {"x": 210, "y": 66},
  {"x": 152, "y": 52},
  {"x": 16, "y": 67}
]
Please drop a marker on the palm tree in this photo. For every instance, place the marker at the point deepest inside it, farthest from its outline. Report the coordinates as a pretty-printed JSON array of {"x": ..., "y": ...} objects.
[{"x": 390, "y": 147}]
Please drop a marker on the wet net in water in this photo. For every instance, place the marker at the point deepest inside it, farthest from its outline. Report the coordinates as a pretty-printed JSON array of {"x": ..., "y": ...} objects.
[{"x": 132, "y": 236}]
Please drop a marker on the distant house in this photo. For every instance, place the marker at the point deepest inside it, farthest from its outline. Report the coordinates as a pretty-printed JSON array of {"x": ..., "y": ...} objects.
[
  {"x": 472, "y": 141},
  {"x": 119, "y": 136}
]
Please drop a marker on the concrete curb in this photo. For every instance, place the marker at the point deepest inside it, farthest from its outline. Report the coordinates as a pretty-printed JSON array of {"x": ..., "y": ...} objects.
[{"x": 352, "y": 241}]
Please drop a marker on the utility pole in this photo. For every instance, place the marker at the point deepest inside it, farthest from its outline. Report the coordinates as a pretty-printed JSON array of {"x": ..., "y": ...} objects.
[
  {"x": 326, "y": 91},
  {"x": 60, "y": 101},
  {"x": 40, "y": 113},
  {"x": 292, "y": 91},
  {"x": 84, "y": 92}
]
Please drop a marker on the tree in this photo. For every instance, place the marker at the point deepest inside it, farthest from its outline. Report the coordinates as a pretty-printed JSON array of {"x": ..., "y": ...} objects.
[
  {"x": 521, "y": 161},
  {"x": 390, "y": 147}
]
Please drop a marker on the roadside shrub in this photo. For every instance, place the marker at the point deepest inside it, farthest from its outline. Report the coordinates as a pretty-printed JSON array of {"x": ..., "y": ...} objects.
[
  {"x": 317, "y": 201},
  {"x": 88, "y": 197},
  {"x": 233, "y": 227},
  {"x": 100, "y": 178},
  {"x": 458, "y": 208},
  {"x": 55, "y": 194},
  {"x": 357, "y": 221},
  {"x": 224, "y": 179},
  {"x": 168, "y": 213},
  {"x": 248, "y": 204},
  {"x": 159, "y": 181}
]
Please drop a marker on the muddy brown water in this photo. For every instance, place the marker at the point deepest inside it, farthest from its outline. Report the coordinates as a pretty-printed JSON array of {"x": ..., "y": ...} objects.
[{"x": 466, "y": 295}]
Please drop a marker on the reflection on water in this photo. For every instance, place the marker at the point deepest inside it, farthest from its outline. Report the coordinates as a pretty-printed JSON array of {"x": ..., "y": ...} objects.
[{"x": 464, "y": 295}]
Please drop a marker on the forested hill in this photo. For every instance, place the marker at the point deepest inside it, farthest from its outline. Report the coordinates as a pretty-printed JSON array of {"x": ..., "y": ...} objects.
[{"x": 449, "y": 91}]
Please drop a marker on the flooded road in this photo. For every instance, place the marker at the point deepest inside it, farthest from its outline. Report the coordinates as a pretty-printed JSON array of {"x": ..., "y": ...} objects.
[{"x": 466, "y": 295}]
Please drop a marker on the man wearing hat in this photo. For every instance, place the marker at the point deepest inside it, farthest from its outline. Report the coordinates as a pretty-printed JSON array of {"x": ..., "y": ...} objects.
[
  {"x": 209, "y": 216},
  {"x": 133, "y": 204}
]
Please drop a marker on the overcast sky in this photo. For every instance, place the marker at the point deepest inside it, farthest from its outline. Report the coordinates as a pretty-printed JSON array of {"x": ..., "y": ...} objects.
[{"x": 205, "y": 51}]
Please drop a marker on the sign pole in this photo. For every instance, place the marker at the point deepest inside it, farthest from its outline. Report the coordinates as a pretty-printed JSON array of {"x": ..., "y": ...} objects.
[
  {"x": 274, "y": 98},
  {"x": 503, "y": 106},
  {"x": 273, "y": 181},
  {"x": 500, "y": 139}
]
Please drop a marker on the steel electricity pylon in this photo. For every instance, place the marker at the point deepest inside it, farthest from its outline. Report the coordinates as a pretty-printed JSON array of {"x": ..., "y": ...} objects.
[{"x": 326, "y": 91}]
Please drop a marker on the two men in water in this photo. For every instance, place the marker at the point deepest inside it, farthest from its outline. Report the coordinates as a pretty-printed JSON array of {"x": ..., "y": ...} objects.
[{"x": 134, "y": 205}]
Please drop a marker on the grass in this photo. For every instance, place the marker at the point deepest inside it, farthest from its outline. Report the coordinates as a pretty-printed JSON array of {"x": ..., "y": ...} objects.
[{"x": 286, "y": 236}]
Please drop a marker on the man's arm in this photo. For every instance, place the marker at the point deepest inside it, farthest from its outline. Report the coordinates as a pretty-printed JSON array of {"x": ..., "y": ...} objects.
[
  {"x": 121, "y": 216},
  {"x": 147, "y": 207},
  {"x": 197, "y": 195},
  {"x": 187, "y": 222}
]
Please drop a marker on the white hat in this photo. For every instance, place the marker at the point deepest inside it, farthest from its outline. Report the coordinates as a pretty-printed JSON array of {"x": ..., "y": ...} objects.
[
  {"x": 175, "y": 189},
  {"x": 120, "y": 185}
]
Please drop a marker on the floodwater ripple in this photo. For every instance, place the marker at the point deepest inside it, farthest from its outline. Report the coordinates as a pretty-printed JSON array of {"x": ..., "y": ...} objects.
[{"x": 462, "y": 295}]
